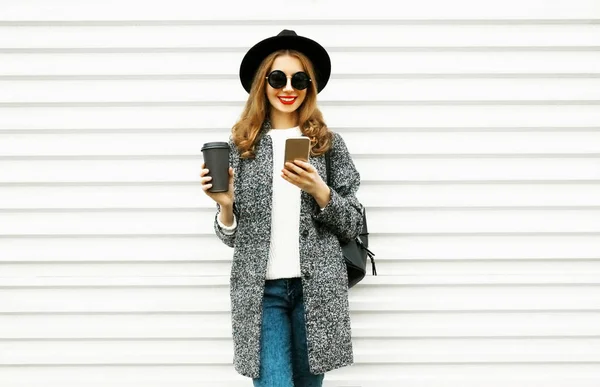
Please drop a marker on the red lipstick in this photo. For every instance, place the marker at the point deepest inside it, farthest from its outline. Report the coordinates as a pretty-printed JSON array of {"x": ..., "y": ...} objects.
[{"x": 287, "y": 100}]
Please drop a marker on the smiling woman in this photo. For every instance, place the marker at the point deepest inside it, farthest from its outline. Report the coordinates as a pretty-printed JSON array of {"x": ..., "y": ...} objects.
[
  {"x": 289, "y": 284},
  {"x": 285, "y": 98},
  {"x": 283, "y": 91}
]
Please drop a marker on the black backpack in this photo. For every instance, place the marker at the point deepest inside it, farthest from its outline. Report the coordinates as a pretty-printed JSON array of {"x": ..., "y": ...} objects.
[{"x": 355, "y": 251}]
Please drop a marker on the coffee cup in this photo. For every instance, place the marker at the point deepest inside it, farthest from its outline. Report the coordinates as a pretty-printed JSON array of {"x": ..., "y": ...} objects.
[{"x": 216, "y": 160}]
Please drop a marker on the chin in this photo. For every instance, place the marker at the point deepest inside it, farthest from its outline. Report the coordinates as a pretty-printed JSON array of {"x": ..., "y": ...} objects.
[{"x": 286, "y": 108}]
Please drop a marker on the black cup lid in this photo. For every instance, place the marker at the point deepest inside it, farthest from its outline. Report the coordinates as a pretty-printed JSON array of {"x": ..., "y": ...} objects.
[{"x": 215, "y": 145}]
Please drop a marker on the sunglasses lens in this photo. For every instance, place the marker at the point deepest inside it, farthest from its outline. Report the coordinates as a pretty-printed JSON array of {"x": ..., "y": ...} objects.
[
  {"x": 277, "y": 79},
  {"x": 300, "y": 80}
]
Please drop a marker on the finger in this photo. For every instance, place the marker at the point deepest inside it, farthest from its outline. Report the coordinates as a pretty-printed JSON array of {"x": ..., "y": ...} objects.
[
  {"x": 304, "y": 165},
  {"x": 296, "y": 169},
  {"x": 203, "y": 172},
  {"x": 205, "y": 179},
  {"x": 206, "y": 187},
  {"x": 290, "y": 174}
]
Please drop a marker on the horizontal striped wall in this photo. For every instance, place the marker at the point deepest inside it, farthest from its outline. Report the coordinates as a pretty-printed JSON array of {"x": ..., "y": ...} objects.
[{"x": 475, "y": 127}]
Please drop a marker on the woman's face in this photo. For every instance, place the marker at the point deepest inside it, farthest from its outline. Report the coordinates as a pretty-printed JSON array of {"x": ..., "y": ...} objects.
[{"x": 286, "y": 99}]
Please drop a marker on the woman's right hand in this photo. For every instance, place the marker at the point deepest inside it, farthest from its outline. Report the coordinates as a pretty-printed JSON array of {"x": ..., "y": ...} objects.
[{"x": 223, "y": 198}]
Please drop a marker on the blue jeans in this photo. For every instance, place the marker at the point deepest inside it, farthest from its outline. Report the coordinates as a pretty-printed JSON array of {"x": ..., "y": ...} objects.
[{"x": 284, "y": 354}]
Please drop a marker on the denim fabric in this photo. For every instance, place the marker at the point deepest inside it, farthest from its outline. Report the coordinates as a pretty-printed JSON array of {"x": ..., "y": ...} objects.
[{"x": 284, "y": 355}]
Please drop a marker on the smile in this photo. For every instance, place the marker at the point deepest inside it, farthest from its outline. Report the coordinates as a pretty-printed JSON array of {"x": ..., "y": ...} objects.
[{"x": 287, "y": 100}]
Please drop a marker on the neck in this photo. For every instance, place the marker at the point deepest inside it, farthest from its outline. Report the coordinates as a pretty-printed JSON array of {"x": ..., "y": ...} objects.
[{"x": 280, "y": 120}]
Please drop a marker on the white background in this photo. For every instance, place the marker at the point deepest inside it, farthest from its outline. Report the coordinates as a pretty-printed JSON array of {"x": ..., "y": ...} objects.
[{"x": 475, "y": 126}]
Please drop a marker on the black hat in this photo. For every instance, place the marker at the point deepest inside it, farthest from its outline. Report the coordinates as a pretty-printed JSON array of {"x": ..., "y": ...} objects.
[{"x": 286, "y": 39}]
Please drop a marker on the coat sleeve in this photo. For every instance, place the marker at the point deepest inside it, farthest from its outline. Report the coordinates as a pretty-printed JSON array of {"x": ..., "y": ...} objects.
[
  {"x": 343, "y": 214},
  {"x": 228, "y": 237}
]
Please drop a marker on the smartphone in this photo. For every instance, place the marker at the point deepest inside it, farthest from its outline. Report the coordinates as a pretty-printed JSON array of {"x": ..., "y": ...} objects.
[{"x": 297, "y": 148}]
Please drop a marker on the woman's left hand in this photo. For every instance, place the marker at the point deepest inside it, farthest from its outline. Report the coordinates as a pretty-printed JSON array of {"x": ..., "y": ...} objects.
[{"x": 305, "y": 176}]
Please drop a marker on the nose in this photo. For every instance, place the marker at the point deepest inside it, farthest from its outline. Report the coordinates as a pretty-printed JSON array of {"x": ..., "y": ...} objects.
[{"x": 288, "y": 85}]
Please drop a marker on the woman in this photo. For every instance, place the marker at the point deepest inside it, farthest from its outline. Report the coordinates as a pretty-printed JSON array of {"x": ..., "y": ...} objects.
[{"x": 288, "y": 283}]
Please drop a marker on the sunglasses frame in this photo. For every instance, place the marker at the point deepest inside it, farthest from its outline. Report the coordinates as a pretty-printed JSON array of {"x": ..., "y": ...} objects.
[{"x": 286, "y": 77}]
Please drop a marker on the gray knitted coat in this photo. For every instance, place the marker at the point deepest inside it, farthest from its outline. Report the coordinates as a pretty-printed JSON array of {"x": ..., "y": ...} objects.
[{"x": 324, "y": 276}]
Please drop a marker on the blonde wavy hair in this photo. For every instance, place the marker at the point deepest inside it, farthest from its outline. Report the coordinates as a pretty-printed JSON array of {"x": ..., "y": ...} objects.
[{"x": 310, "y": 119}]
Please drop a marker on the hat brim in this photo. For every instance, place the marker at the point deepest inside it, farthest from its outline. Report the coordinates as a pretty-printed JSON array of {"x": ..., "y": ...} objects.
[{"x": 313, "y": 50}]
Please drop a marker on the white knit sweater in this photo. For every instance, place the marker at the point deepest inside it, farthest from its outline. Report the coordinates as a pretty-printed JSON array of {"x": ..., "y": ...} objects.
[{"x": 284, "y": 255}]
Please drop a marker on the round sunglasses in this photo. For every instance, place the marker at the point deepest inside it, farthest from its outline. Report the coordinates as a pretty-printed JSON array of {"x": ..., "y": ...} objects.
[{"x": 277, "y": 79}]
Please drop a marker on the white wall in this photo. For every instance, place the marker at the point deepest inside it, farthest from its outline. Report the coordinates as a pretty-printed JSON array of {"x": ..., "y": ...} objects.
[{"x": 476, "y": 129}]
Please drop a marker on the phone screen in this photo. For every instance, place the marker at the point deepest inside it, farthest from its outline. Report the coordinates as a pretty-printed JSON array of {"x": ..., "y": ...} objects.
[{"x": 297, "y": 148}]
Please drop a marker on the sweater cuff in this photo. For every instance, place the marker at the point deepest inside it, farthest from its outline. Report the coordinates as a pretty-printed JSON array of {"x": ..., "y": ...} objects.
[
  {"x": 228, "y": 230},
  {"x": 330, "y": 211}
]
